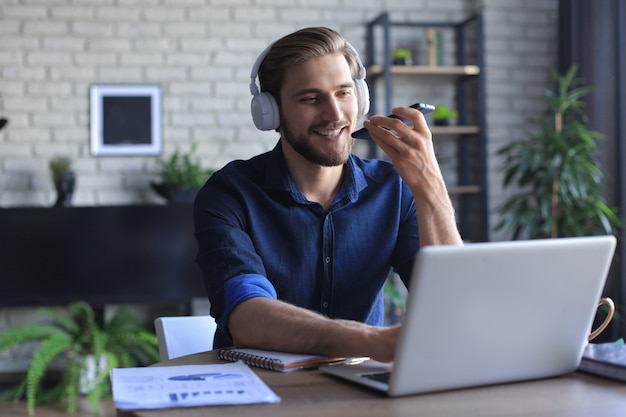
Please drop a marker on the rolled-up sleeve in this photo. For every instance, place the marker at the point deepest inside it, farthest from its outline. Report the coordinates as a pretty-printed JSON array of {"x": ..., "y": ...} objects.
[{"x": 242, "y": 288}]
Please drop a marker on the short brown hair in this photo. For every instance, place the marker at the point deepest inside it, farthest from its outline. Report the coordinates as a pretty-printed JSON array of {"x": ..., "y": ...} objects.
[{"x": 297, "y": 47}]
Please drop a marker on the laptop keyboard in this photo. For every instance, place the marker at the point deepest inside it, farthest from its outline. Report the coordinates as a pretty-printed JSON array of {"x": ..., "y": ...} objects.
[{"x": 378, "y": 376}]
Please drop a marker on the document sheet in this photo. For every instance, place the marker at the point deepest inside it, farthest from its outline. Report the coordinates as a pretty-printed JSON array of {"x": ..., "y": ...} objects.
[{"x": 188, "y": 385}]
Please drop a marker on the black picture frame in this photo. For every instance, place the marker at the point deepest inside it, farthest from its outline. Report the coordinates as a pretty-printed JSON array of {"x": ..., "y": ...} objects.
[{"x": 125, "y": 119}]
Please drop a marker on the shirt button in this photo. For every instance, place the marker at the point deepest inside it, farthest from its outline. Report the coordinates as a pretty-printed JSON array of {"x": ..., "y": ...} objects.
[
  {"x": 325, "y": 304},
  {"x": 327, "y": 260}
]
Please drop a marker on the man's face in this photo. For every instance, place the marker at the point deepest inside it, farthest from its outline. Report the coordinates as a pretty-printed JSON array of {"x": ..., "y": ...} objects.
[{"x": 319, "y": 109}]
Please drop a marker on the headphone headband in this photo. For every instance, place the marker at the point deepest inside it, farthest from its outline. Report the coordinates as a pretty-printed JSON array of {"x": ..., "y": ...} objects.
[{"x": 254, "y": 89}]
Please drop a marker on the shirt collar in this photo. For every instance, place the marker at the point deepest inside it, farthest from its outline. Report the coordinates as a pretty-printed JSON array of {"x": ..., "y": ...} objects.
[{"x": 277, "y": 176}]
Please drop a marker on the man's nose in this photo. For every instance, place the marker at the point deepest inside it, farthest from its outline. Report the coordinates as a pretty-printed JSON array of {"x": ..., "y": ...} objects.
[{"x": 333, "y": 110}]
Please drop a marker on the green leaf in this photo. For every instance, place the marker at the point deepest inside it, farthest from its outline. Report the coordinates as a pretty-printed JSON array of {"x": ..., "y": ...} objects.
[
  {"x": 60, "y": 318},
  {"x": 48, "y": 350},
  {"x": 28, "y": 332}
]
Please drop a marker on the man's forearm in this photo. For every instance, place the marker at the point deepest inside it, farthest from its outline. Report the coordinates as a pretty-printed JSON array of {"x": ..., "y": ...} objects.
[
  {"x": 435, "y": 214},
  {"x": 436, "y": 219},
  {"x": 270, "y": 324}
]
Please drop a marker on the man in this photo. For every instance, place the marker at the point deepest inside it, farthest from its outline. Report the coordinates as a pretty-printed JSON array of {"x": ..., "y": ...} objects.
[{"x": 295, "y": 244}]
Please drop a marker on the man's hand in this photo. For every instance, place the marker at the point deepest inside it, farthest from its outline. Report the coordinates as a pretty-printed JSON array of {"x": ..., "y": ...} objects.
[
  {"x": 411, "y": 149},
  {"x": 413, "y": 155}
]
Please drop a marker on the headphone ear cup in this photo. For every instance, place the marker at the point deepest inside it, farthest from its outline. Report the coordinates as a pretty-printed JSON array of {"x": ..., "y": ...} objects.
[
  {"x": 363, "y": 93},
  {"x": 265, "y": 112}
]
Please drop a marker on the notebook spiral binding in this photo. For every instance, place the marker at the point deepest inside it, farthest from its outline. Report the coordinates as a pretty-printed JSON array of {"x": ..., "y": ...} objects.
[{"x": 249, "y": 359}]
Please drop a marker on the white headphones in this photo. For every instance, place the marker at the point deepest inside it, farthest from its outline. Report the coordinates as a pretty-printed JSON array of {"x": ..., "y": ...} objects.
[{"x": 264, "y": 107}]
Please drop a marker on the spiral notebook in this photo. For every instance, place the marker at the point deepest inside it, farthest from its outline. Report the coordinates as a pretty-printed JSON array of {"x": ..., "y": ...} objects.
[{"x": 274, "y": 361}]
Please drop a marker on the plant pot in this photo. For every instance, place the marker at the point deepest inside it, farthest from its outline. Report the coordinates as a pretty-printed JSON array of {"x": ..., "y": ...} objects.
[
  {"x": 403, "y": 61},
  {"x": 443, "y": 122},
  {"x": 65, "y": 189},
  {"x": 176, "y": 194},
  {"x": 92, "y": 373}
]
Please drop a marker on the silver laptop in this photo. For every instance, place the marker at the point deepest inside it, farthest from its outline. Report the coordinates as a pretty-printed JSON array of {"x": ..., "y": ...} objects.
[{"x": 488, "y": 313}]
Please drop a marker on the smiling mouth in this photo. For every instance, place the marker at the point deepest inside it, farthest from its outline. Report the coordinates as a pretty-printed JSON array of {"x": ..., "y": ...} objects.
[
  {"x": 334, "y": 132},
  {"x": 329, "y": 132}
]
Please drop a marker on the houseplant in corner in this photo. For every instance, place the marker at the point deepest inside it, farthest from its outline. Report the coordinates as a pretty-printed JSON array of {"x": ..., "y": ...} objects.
[
  {"x": 77, "y": 338},
  {"x": 559, "y": 184},
  {"x": 182, "y": 175}
]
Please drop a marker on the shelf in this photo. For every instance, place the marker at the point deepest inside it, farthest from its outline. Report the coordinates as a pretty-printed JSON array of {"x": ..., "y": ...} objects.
[
  {"x": 463, "y": 78},
  {"x": 454, "y": 130},
  {"x": 376, "y": 70},
  {"x": 464, "y": 189}
]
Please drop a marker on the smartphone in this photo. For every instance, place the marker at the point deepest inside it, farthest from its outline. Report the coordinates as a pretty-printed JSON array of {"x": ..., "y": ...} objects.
[{"x": 422, "y": 107}]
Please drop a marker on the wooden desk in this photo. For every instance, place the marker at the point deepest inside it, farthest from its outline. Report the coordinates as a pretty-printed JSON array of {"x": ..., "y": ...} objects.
[{"x": 312, "y": 393}]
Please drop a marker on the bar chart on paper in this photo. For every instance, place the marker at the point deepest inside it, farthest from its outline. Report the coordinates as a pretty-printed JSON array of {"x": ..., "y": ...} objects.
[{"x": 185, "y": 386}]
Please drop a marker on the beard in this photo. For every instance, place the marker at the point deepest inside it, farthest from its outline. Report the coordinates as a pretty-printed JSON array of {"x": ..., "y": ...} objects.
[{"x": 328, "y": 157}]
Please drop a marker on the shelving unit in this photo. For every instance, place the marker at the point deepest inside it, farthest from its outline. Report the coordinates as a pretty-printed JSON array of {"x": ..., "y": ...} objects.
[{"x": 464, "y": 74}]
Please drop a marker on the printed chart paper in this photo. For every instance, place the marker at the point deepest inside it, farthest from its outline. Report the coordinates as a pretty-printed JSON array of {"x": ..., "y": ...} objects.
[{"x": 188, "y": 385}]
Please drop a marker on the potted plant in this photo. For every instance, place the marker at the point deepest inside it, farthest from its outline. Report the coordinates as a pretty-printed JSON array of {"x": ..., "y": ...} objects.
[
  {"x": 443, "y": 115},
  {"x": 402, "y": 56},
  {"x": 64, "y": 180},
  {"x": 182, "y": 175},
  {"x": 555, "y": 171},
  {"x": 77, "y": 337}
]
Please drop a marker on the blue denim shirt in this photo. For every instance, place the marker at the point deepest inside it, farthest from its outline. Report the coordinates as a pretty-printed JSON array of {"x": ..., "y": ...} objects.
[{"x": 258, "y": 236}]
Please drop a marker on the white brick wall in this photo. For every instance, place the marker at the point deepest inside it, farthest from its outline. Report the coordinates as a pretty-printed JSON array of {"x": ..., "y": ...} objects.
[
  {"x": 521, "y": 45},
  {"x": 200, "y": 52}
]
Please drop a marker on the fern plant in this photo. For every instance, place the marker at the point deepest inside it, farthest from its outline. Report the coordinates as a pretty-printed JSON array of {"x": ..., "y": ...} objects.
[{"x": 76, "y": 336}]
